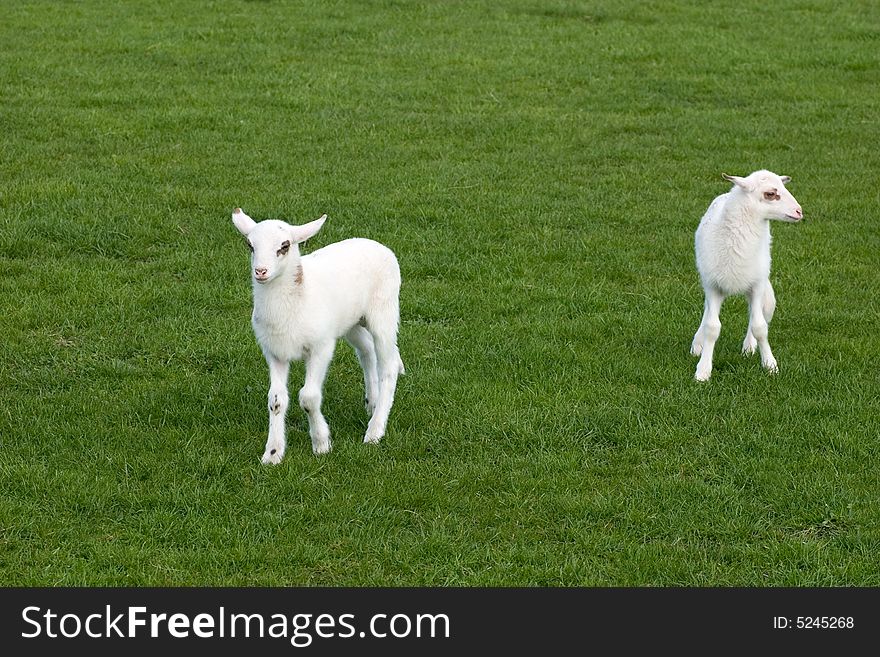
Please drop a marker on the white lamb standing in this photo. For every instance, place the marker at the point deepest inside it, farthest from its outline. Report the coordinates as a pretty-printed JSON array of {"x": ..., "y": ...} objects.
[
  {"x": 732, "y": 245},
  {"x": 302, "y": 305}
]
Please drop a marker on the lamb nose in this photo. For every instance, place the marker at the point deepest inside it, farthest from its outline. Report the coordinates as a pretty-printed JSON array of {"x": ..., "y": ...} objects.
[{"x": 260, "y": 271}]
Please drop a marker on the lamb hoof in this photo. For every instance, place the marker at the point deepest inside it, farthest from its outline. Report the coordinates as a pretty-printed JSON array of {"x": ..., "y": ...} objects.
[
  {"x": 703, "y": 374},
  {"x": 696, "y": 348},
  {"x": 322, "y": 447},
  {"x": 771, "y": 366},
  {"x": 372, "y": 440},
  {"x": 749, "y": 347},
  {"x": 272, "y": 456}
]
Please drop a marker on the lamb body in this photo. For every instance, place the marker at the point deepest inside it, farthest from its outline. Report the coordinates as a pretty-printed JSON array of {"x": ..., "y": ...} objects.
[
  {"x": 289, "y": 319},
  {"x": 303, "y": 305},
  {"x": 732, "y": 248},
  {"x": 733, "y": 252}
]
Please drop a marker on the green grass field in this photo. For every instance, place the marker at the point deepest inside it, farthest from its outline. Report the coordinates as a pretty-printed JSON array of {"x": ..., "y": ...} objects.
[{"x": 539, "y": 167}]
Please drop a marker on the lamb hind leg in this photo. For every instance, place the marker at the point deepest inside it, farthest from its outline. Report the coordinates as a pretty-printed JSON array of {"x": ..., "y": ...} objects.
[
  {"x": 362, "y": 341},
  {"x": 750, "y": 343},
  {"x": 390, "y": 366}
]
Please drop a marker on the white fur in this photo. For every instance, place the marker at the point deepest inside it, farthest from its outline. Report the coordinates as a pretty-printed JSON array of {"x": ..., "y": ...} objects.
[
  {"x": 732, "y": 246},
  {"x": 303, "y": 305}
]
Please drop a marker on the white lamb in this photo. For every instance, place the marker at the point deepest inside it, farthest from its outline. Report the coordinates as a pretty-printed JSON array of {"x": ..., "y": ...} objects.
[
  {"x": 302, "y": 305},
  {"x": 732, "y": 245}
]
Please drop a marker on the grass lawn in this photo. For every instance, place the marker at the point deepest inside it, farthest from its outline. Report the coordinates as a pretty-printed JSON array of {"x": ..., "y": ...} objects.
[{"x": 539, "y": 167}]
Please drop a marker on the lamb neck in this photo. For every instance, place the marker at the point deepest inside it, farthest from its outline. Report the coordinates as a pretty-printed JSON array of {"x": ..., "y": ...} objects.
[{"x": 277, "y": 318}]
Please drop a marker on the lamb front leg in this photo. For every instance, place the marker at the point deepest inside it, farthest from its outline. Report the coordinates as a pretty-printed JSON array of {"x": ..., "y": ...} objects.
[
  {"x": 709, "y": 330},
  {"x": 759, "y": 328},
  {"x": 278, "y": 402}
]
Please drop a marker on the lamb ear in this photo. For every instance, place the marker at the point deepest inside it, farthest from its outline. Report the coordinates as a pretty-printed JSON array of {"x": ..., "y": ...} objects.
[
  {"x": 243, "y": 222},
  {"x": 736, "y": 180},
  {"x": 785, "y": 179},
  {"x": 304, "y": 232}
]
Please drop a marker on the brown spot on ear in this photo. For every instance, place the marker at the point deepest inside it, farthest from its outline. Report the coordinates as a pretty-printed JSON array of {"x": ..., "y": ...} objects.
[{"x": 298, "y": 277}]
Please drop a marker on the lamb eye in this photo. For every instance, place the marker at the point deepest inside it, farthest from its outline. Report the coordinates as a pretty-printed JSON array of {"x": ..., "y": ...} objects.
[
  {"x": 771, "y": 196},
  {"x": 285, "y": 247}
]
